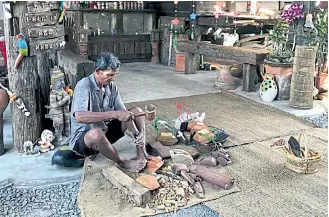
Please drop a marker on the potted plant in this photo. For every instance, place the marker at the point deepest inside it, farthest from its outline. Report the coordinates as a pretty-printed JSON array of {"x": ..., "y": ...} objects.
[
  {"x": 281, "y": 58},
  {"x": 279, "y": 61}
]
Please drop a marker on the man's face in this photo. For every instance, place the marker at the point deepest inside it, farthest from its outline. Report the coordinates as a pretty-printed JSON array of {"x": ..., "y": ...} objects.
[{"x": 106, "y": 76}]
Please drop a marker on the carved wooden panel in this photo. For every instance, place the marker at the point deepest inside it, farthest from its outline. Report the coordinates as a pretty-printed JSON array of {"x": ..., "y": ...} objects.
[
  {"x": 46, "y": 31},
  {"x": 46, "y": 44},
  {"x": 41, "y": 6},
  {"x": 127, "y": 48},
  {"x": 42, "y": 19}
]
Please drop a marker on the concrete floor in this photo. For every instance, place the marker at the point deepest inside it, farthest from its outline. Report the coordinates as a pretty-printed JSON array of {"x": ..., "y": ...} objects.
[{"x": 136, "y": 82}]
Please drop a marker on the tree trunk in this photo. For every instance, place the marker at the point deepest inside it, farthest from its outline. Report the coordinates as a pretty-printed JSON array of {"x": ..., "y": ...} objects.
[{"x": 24, "y": 81}]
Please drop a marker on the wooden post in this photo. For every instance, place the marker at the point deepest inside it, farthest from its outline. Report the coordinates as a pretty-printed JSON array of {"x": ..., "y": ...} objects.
[
  {"x": 250, "y": 77},
  {"x": 31, "y": 79}
]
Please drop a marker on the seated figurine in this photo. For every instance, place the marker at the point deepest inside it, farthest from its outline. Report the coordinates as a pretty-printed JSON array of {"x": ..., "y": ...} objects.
[{"x": 46, "y": 141}]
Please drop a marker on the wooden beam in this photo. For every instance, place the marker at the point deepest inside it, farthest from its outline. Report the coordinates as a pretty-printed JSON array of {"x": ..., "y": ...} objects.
[
  {"x": 238, "y": 54},
  {"x": 250, "y": 77},
  {"x": 140, "y": 194}
]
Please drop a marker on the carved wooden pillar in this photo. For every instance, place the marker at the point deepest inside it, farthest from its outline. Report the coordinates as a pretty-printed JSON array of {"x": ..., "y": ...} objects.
[
  {"x": 155, "y": 38},
  {"x": 82, "y": 42},
  {"x": 38, "y": 21}
]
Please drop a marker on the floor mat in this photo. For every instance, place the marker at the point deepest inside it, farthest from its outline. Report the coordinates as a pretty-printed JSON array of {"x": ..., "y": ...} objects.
[{"x": 244, "y": 120}]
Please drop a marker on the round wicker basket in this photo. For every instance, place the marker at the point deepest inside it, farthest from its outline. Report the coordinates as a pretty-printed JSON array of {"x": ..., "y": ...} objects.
[
  {"x": 305, "y": 164},
  {"x": 302, "y": 81}
]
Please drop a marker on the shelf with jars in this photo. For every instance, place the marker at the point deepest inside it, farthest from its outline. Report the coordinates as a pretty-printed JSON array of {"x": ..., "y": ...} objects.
[{"x": 106, "y": 5}]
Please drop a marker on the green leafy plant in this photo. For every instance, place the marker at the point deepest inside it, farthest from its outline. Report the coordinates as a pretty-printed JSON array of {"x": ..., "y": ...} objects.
[
  {"x": 281, "y": 52},
  {"x": 321, "y": 26}
]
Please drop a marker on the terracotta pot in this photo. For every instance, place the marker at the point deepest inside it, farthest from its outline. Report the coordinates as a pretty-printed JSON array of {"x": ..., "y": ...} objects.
[
  {"x": 225, "y": 74},
  {"x": 278, "y": 70},
  {"x": 4, "y": 100},
  {"x": 321, "y": 82}
]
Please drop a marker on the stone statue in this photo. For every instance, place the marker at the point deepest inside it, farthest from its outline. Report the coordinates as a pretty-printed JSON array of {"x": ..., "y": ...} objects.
[
  {"x": 45, "y": 143},
  {"x": 59, "y": 105}
]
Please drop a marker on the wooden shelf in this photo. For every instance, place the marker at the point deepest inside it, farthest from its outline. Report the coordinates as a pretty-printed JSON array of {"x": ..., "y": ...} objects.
[{"x": 113, "y": 10}]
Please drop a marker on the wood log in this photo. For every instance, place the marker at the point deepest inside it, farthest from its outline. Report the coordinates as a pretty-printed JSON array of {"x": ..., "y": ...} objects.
[
  {"x": 140, "y": 194},
  {"x": 24, "y": 81},
  {"x": 237, "y": 54},
  {"x": 250, "y": 77},
  {"x": 213, "y": 177}
]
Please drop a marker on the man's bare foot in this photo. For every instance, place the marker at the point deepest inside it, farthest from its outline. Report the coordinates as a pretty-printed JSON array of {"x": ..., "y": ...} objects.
[{"x": 134, "y": 166}]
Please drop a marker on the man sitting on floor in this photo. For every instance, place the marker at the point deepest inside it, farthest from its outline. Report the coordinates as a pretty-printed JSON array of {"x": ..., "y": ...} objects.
[{"x": 99, "y": 117}]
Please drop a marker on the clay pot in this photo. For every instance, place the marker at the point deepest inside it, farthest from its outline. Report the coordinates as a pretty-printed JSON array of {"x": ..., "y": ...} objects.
[
  {"x": 225, "y": 74},
  {"x": 268, "y": 89},
  {"x": 278, "y": 70},
  {"x": 4, "y": 100},
  {"x": 321, "y": 82}
]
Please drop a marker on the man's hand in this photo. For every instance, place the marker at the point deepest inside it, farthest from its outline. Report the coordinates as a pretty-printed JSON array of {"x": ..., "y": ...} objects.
[{"x": 124, "y": 115}]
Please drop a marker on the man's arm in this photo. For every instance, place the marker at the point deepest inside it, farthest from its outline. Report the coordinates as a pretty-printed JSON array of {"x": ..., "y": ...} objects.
[
  {"x": 80, "y": 107},
  {"x": 93, "y": 117}
]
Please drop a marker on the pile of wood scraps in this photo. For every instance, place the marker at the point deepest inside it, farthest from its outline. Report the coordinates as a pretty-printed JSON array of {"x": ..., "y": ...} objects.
[{"x": 173, "y": 174}]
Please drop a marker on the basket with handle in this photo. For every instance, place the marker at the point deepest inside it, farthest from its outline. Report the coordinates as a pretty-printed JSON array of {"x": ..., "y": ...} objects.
[{"x": 309, "y": 160}]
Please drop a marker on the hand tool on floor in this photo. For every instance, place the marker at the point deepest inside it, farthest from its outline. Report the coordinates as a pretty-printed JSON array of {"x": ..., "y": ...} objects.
[{"x": 150, "y": 114}]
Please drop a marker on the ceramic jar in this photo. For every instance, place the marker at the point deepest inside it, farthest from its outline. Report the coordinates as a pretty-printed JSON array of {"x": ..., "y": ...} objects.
[
  {"x": 268, "y": 89},
  {"x": 225, "y": 74}
]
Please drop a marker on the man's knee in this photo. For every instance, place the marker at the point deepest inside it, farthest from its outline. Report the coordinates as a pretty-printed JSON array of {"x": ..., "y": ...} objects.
[
  {"x": 136, "y": 109},
  {"x": 94, "y": 136}
]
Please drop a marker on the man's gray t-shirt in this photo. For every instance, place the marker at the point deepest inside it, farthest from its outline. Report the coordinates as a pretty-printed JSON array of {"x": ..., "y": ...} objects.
[{"x": 89, "y": 97}]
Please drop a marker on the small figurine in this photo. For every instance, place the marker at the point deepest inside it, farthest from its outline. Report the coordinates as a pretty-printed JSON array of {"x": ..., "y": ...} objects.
[
  {"x": 22, "y": 49},
  {"x": 46, "y": 138},
  {"x": 309, "y": 22},
  {"x": 59, "y": 104},
  {"x": 30, "y": 150}
]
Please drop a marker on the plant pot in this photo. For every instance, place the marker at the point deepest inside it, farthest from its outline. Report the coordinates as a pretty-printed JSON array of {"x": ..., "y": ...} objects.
[
  {"x": 282, "y": 78},
  {"x": 225, "y": 74},
  {"x": 280, "y": 70},
  {"x": 321, "y": 82}
]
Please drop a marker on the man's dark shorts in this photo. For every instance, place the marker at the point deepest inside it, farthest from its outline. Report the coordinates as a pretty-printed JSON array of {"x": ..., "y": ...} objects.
[{"x": 113, "y": 134}]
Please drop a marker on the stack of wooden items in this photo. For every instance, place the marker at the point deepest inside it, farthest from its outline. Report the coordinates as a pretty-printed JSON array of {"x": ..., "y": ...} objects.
[{"x": 174, "y": 173}]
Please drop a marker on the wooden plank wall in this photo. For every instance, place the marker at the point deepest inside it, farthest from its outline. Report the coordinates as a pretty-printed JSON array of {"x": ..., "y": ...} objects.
[{"x": 134, "y": 48}]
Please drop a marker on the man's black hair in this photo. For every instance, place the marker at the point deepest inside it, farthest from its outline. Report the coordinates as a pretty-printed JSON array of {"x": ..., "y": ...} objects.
[{"x": 107, "y": 61}]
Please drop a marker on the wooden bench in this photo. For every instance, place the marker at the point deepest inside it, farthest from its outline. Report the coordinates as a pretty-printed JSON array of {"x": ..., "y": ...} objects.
[
  {"x": 250, "y": 58},
  {"x": 74, "y": 66}
]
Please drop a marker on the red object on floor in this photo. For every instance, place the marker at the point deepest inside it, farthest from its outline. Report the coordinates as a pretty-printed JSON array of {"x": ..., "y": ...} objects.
[{"x": 3, "y": 51}]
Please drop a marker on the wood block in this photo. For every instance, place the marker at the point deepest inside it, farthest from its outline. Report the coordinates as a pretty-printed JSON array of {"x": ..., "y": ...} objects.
[
  {"x": 250, "y": 77},
  {"x": 148, "y": 181},
  {"x": 119, "y": 179}
]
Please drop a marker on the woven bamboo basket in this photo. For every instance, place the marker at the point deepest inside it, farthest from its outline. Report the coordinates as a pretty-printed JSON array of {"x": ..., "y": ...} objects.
[
  {"x": 304, "y": 164},
  {"x": 302, "y": 81}
]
